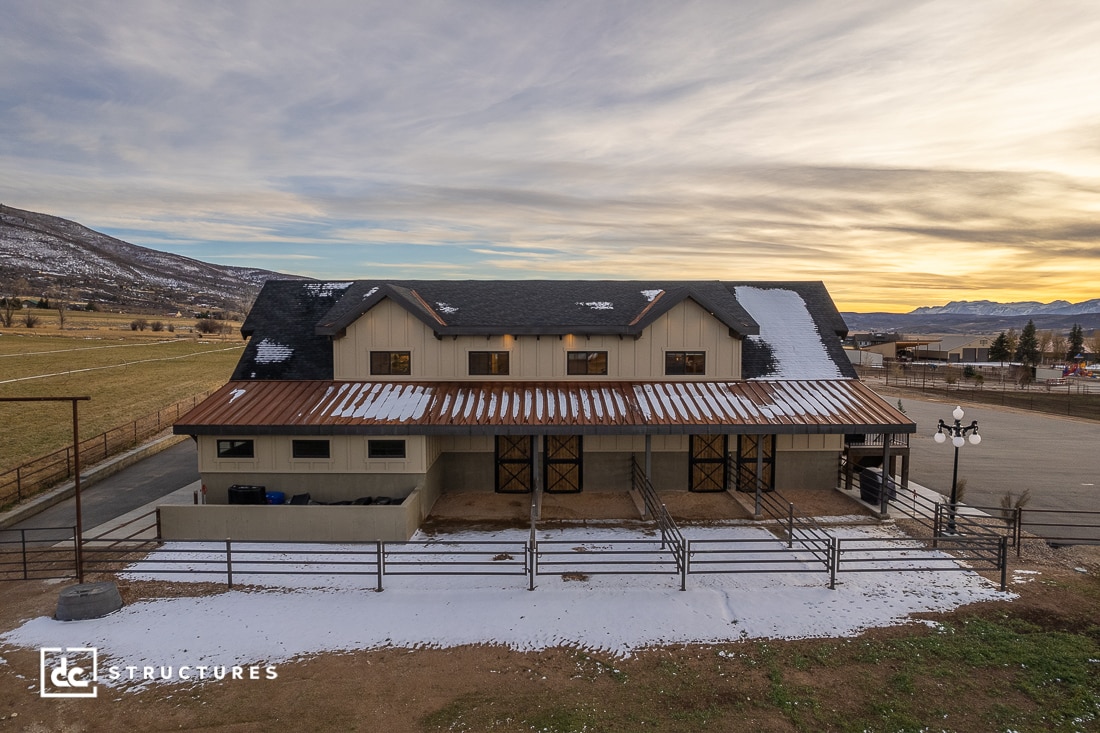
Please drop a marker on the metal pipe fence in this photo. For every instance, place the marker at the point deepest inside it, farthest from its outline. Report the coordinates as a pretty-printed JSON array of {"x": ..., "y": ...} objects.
[
  {"x": 1057, "y": 526},
  {"x": 37, "y": 554},
  {"x": 39, "y": 474},
  {"x": 235, "y": 560}
]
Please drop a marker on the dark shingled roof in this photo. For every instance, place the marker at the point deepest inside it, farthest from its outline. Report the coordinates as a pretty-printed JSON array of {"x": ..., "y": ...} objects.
[
  {"x": 292, "y": 322},
  {"x": 537, "y": 307},
  {"x": 281, "y": 331}
]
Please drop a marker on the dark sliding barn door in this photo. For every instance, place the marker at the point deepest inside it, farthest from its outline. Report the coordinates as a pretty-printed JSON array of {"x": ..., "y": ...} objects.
[{"x": 514, "y": 464}]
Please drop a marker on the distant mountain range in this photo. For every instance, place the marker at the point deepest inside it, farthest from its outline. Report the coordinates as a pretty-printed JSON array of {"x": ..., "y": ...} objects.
[
  {"x": 1023, "y": 308},
  {"x": 981, "y": 317},
  {"x": 50, "y": 252}
]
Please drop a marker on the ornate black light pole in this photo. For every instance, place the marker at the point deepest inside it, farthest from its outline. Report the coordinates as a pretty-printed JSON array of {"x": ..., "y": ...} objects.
[{"x": 958, "y": 432}]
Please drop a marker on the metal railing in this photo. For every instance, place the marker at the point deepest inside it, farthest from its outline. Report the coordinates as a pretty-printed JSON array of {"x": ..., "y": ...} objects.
[
  {"x": 37, "y": 554},
  {"x": 1057, "y": 526},
  {"x": 801, "y": 545},
  {"x": 35, "y": 476}
]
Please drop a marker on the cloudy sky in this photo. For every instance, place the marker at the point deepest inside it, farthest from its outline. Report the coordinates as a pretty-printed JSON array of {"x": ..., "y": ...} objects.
[{"x": 907, "y": 153}]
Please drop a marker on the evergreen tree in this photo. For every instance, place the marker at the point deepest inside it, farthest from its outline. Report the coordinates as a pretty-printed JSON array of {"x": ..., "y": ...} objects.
[
  {"x": 1076, "y": 342},
  {"x": 998, "y": 350},
  {"x": 1027, "y": 350}
]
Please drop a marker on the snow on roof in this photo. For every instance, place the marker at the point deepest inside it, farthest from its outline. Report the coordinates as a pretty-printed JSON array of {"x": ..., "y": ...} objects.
[
  {"x": 615, "y": 614},
  {"x": 787, "y": 327},
  {"x": 597, "y": 305},
  {"x": 272, "y": 352},
  {"x": 326, "y": 290},
  {"x": 651, "y": 294}
]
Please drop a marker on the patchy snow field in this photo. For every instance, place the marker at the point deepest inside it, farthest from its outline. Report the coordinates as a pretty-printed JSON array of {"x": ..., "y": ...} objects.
[{"x": 280, "y": 618}]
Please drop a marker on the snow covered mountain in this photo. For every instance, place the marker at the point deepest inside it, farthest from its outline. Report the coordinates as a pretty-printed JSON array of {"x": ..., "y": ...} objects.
[
  {"x": 50, "y": 252},
  {"x": 1023, "y": 308}
]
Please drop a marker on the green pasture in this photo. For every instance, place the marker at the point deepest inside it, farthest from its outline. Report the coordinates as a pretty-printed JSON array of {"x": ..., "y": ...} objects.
[{"x": 125, "y": 378}]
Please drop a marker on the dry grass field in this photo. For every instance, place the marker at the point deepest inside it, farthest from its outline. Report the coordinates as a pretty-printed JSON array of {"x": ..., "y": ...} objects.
[{"x": 127, "y": 374}]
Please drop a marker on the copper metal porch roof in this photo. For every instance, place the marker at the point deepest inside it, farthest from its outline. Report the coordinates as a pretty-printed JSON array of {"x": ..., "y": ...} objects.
[{"x": 524, "y": 408}]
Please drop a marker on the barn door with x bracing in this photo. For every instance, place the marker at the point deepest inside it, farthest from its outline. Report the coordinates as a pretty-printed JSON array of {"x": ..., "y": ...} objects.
[
  {"x": 708, "y": 463},
  {"x": 515, "y": 464},
  {"x": 562, "y": 464},
  {"x": 755, "y": 462}
]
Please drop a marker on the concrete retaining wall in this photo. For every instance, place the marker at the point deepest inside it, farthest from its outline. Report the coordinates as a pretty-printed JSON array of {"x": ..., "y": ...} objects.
[{"x": 287, "y": 523}]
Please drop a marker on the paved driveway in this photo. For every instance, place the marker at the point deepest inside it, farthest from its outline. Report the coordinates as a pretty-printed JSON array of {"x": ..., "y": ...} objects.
[
  {"x": 141, "y": 483},
  {"x": 1057, "y": 458}
]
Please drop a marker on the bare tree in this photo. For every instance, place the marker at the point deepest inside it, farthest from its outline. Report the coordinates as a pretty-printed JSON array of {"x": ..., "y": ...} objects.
[
  {"x": 12, "y": 293},
  {"x": 59, "y": 299},
  {"x": 1094, "y": 344},
  {"x": 1044, "y": 338},
  {"x": 1058, "y": 345}
]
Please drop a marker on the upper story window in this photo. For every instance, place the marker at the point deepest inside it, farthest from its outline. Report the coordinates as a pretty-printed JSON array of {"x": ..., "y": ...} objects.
[
  {"x": 315, "y": 449},
  {"x": 236, "y": 449},
  {"x": 390, "y": 362},
  {"x": 489, "y": 363},
  {"x": 586, "y": 362},
  {"x": 685, "y": 362}
]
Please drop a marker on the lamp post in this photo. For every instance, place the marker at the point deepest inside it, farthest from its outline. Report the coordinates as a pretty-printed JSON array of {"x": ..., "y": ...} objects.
[{"x": 957, "y": 432}]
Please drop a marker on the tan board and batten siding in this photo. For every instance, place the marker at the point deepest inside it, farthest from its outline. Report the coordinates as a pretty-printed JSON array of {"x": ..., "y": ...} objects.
[{"x": 389, "y": 327}]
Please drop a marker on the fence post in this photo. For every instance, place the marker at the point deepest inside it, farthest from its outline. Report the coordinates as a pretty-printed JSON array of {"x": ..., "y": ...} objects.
[
  {"x": 228, "y": 563},
  {"x": 78, "y": 556},
  {"x": 105, "y": 454},
  {"x": 685, "y": 549},
  {"x": 378, "y": 562},
  {"x": 790, "y": 525},
  {"x": 834, "y": 560},
  {"x": 23, "y": 543},
  {"x": 1004, "y": 563},
  {"x": 533, "y": 556},
  {"x": 19, "y": 483},
  {"x": 1018, "y": 531},
  {"x": 936, "y": 525}
]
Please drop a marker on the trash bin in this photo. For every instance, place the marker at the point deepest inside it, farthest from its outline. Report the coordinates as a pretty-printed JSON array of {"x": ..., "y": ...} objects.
[
  {"x": 244, "y": 494},
  {"x": 870, "y": 487}
]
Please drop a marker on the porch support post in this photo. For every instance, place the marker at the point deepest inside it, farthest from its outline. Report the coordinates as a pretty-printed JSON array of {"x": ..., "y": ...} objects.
[
  {"x": 759, "y": 475},
  {"x": 887, "y": 478},
  {"x": 536, "y": 471},
  {"x": 649, "y": 457}
]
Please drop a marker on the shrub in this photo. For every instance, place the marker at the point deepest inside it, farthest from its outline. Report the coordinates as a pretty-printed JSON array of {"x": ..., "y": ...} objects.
[
  {"x": 30, "y": 320},
  {"x": 138, "y": 324},
  {"x": 209, "y": 325},
  {"x": 157, "y": 326}
]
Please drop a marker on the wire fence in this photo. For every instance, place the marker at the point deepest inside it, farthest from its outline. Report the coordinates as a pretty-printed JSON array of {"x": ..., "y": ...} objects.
[
  {"x": 1075, "y": 398},
  {"x": 40, "y": 474}
]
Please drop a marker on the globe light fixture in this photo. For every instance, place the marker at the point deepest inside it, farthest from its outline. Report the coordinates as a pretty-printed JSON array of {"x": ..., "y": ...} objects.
[{"x": 959, "y": 434}]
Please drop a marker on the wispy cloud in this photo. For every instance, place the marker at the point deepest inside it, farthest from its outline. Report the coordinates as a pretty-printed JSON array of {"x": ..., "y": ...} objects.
[{"x": 906, "y": 153}]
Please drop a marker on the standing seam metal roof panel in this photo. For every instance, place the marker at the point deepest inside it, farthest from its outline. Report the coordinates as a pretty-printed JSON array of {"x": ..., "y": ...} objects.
[{"x": 835, "y": 406}]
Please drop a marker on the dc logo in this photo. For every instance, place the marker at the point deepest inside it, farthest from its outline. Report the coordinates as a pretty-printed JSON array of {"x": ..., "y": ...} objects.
[{"x": 68, "y": 672}]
